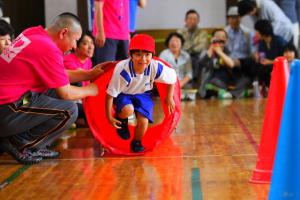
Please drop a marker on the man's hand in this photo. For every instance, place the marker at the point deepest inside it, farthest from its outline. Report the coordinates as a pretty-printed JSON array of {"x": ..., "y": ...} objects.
[
  {"x": 266, "y": 61},
  {"x": 100, "y": 39},
  {"x": 92, "y": 89}
]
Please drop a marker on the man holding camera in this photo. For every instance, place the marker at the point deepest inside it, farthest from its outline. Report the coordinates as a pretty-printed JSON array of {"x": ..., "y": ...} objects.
[{"x": 217, "y": 73}]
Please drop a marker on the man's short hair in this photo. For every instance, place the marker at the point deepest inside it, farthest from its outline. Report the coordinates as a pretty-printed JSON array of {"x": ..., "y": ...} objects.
[
  {"x": 219, "y": 30},
  {"x": 6, "y": 28},
  {"x": 191, "y": 11},
  {"x": 264, "y": 27},
  {"x": 246, "y": 6},
  {"x": 66, "y": 20}
]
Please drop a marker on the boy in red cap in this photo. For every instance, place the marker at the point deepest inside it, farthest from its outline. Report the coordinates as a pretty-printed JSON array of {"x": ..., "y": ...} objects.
[{"x": 130, "y": 89}]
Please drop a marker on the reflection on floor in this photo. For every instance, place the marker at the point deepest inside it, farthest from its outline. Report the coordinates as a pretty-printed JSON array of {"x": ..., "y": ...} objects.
[{"x": 210, "y": 156}]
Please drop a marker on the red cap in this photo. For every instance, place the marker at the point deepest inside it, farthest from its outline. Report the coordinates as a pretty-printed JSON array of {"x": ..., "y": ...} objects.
[{"x": 142, "y": 42}]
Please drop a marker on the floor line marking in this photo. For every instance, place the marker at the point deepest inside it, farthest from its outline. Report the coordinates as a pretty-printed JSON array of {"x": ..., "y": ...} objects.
[
  {"x": 150, "y": 157},
  {"x": 14, "y": 176},
  {"x": 245, "y": 130},
  {"x": 196, "y": 183}
]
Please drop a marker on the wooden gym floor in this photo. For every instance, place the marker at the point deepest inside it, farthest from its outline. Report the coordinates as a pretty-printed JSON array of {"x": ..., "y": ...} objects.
[{"x": 210, "y": 156}]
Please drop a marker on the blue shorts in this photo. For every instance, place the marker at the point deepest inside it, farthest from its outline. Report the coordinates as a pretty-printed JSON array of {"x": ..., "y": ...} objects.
[{"x": 142, "y": 103}]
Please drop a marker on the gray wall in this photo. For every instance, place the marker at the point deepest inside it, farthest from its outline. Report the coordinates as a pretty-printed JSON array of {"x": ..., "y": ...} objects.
[
  {"x": 158, "y": 14},
  {"x": 56, "y": 7},
  {"x": 169, "y": 14}
]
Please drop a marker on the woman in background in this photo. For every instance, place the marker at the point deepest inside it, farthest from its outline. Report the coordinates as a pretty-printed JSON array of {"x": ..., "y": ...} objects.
[
  {"x": 6, "y": 34},
  {"x": 179, "y": 59},
  {"x": 79, "y": 62}
]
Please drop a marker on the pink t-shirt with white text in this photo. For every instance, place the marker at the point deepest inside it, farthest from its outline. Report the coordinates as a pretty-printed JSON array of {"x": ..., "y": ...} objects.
[
  {"x": 32, "y": 62},
  {"x": 115, "y": 19},
  {"x": 72, "y": 62}
]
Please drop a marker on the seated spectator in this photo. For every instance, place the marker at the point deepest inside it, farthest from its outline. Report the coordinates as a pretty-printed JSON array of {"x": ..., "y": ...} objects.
[
  {"x": 217, "y": 66},
  {"x": 270, "y": 46},
  {"x": 240, "y": 44},
  {"x": 195, "y": 40},
  {"x": 178, "y": 58},
  {"x": 6, "y": 34},
  {"x": 290, "y": 53},
  {"x": 79, "y": 61}
]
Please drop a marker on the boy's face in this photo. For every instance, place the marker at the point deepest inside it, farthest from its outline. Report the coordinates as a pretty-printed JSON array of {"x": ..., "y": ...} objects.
[{"x": 141, "y": 59}]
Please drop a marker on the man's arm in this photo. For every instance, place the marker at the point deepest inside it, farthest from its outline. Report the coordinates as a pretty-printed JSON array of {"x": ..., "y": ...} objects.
[
  {"x": 86, "y": 75},
  {"x": 100, "y": 36},
  {"x": 70, "y": 92}
]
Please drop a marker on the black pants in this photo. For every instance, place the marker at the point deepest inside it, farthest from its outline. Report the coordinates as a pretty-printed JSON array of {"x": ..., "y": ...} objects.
[
  {"x": 36, "y": 120},
  {"x": 111, "y": 51}
]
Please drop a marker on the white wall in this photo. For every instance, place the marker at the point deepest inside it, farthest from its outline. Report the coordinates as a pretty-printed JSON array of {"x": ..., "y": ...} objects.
[
  {"x": 169, "y": 14},
  {"x": 56, "y": 7}
]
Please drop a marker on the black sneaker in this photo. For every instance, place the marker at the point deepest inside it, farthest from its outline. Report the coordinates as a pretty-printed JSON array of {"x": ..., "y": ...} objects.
[
  {"x": 123, "y": 132},
  {"x": 136, "y": 146},
  {"x": 44, "y": 153},
  {"x": 24, "y": 158}
]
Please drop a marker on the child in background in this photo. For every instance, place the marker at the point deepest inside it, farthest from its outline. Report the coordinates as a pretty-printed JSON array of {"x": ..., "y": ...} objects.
[
  {"x": 130, "y": 89},
  {"x": 290, "y": 53}
]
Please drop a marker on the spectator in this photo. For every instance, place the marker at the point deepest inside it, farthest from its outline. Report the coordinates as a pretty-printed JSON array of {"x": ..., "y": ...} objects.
[
  {"x": 290, "y": 53},
  {"x": 6, "y": 34},
  {"x": 195, "y": 40},
  {"x": 111, "y": 30},
  {"x": 79, "y": 62},
  {"x": 289, "y": 7},
  {"x": 217, "y": 66},
  {"x": 180, "y": 60},
  {"x": 241, "y": 46},
  {"x": 270, "y": 46},
  {"x": 268, "y": 10}
]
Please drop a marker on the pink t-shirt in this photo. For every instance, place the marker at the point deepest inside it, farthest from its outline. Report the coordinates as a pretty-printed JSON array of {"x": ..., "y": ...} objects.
[
  {"x": 72, "y": 62},
  {"x": 32, "y": 62},
  {"x": 115, "y": 19}
]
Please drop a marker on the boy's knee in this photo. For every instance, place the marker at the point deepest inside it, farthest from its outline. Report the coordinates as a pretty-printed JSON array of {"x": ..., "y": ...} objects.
[{"x": 127, "y": 110}]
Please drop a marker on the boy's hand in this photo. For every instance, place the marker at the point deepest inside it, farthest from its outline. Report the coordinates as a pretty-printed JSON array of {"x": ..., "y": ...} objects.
[
  {"x": 170, "y": 104},
  {"x": 114, "y": 122}
]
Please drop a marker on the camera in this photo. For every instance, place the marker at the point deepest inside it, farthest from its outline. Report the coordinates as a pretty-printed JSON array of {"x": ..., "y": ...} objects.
[{"x": 218, "y": 41}]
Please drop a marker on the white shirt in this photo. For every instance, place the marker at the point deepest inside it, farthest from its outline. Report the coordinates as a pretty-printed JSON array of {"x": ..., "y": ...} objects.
[{"x": 125, "y": 80}]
